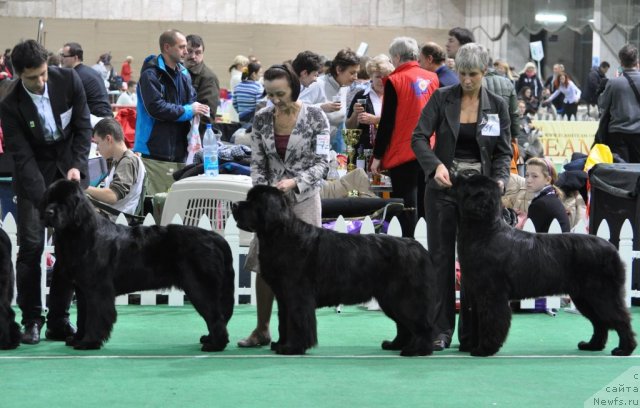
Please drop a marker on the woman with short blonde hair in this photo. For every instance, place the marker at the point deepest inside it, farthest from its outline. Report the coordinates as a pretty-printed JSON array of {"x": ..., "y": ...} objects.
[{"x": 366, "y": 116}]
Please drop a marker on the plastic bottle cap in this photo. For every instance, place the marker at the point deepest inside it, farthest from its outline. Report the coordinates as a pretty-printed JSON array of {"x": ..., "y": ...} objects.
[{"x": 208, "y": 125}]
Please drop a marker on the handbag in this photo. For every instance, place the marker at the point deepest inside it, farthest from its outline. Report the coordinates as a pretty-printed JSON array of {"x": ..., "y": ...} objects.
[{"x": 603, "y": 129}]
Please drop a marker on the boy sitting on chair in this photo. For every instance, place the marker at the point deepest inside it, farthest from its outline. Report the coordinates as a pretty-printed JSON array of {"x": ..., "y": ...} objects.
[{"x": 124, "y": 184}]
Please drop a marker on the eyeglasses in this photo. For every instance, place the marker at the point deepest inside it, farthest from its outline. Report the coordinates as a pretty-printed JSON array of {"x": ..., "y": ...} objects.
[
  {"x": 66, "y": 56},
  {"x": 195, "y": 52}
]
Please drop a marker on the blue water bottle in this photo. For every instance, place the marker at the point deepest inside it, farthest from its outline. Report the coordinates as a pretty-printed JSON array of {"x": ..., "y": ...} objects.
[{"x": 210, "y": 152}]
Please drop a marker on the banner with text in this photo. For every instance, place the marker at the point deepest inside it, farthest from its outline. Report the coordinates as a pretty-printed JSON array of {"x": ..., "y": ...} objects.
[{"x": 561, "y": 138}]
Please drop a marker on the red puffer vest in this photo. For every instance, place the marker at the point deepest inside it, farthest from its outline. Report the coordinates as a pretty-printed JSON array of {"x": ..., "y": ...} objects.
[{"x": 414, "y": 86}]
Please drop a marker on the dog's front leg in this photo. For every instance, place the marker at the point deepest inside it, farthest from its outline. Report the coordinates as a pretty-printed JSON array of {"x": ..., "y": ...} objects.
[
  {"x": 100, "y": 315},
  {"x": 282, "y": 324},
  {"x": 301, "y": 324},
  {"x": 81, "y": 305},
  {"x": 493, "y": 322}
]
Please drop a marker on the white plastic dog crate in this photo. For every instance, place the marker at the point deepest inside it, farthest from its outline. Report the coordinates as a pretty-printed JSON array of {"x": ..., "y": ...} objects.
[
  {"x": 192, "y": 197},
  {"x": 213, "y": 196}
]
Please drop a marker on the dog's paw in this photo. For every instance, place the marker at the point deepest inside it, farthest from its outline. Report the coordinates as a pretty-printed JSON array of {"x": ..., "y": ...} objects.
[
  {"x": 413, "y": 352},
  {"x": 87, "y": 345},
  {"x": 290, "y": 350},
  {"x": 391, "y": 345},
  {"x": 589, "y": 346},
  {"x": 10, "y": 345},
  {"x": 619, "y": 352},
  {"x": 275, "y": 346},
  {"x": 72, "y": 341},
  {"x": 482, "y": 352},
  {"x": 205, "y": 339},
  {"x": 213, "y": 346},
  {"x": 464, "y": 348}
]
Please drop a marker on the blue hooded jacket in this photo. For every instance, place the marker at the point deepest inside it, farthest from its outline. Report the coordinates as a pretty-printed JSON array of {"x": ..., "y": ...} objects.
[{"x": 164, "y": 111}]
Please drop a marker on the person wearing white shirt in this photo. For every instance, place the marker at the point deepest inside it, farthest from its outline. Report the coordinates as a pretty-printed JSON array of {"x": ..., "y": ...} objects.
[
  {"x": 571, "y": 94},
  {"x": 344, "y": 70},
  {"x": 128, "y": 96},
  {"x": 307, "y": 65}
]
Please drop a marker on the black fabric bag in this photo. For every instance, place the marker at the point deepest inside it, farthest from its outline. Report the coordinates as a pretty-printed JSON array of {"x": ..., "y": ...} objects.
[{"x": 603, "y": 128}]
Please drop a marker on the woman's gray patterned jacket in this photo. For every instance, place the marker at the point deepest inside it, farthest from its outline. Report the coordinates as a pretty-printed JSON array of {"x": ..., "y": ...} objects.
[{"x": 301, "y": 162}]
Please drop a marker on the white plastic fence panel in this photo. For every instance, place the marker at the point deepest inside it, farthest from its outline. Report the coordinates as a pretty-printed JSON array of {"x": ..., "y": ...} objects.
[{"x": 394, "y": 228}]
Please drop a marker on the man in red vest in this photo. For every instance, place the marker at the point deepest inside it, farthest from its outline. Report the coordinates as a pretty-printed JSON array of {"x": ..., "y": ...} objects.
[{"x": 406, "y": 91}]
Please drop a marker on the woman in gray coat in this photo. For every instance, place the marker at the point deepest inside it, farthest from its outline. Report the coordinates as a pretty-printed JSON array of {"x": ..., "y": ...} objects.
[
  {"x": 290, "y": 143},
  {"x": 472, "y": 135}
]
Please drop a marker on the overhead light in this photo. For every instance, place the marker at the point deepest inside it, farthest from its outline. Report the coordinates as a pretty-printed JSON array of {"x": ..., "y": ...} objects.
[
  {"x": 591, "y": 20},
  {"x": 550, "y": 18}
]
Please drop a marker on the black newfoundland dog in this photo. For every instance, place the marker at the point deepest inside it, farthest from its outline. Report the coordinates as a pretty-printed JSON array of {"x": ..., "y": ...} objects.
[
  {"x": 309, "y": 267},
  {"x": 9, "y": 329},
  {"x": 104, "y": 260},
  {"x": 500, "y": 263}
]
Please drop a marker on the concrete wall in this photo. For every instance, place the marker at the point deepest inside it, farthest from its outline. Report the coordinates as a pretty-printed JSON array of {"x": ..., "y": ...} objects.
[
  {"x": 273, "y": 30},
  {"x": 383, "y": 13},
  {"x": 271, "y": 43}
]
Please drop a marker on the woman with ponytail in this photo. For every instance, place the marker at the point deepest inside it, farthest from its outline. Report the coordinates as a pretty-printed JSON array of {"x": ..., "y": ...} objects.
[
  {"x": 248, "y": 93},
  {"x": 546, "y": 204}
]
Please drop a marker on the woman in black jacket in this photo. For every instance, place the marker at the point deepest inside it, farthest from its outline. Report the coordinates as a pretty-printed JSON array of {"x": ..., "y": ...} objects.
[{"x": 472, "y": 135}]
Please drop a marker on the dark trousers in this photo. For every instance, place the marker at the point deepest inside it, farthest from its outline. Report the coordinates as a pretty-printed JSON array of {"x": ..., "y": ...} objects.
[
  {"x": 442, "y": 225},
  {"x": 28, "y": 270},
  {"x": 422, "y": 185},
  {"x": 571, "y": 109},
  {"x": 626, "y": 145},
  {"x": 404, "y": 181}
]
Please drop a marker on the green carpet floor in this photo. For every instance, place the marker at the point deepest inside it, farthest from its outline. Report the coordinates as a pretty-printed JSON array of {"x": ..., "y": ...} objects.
[{"x": 153, "y": 360}]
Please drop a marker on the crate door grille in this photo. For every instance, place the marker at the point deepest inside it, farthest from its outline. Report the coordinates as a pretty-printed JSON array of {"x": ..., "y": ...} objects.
[{"x": 217, "y": 210}]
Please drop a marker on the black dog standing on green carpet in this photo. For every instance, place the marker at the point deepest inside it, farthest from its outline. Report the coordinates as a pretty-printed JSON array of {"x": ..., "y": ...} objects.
[
  {"x": 500, "y": 263},
  {"x": 308, "y": 267},
  {"x": 103, "y": 260},
  {"x": 9, "y": 329}
]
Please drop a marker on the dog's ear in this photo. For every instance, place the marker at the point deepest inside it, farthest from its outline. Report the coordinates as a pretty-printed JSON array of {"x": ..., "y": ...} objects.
[
  {"x": 275, "y": 208},
  {"x": 82, "y": 210}
]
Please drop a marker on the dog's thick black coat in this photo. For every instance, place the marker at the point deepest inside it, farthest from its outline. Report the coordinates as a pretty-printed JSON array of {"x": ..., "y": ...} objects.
[
  {"x": 9, "y": 329},
  {"x": 309, "y": 267},
  {"x": 500, "y": 263},
  {"x": 104, "y": 260}
]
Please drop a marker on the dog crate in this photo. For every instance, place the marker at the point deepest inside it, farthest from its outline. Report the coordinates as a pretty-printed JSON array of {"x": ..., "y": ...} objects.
[
  {"x": 192, "y": 197},
  {"x": 615, "y": 197}
]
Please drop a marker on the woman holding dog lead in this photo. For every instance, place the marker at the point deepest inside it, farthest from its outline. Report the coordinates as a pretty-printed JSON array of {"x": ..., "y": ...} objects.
[
  {"x": 472, "y": 128},
  {"x": 290, "y": 144}
]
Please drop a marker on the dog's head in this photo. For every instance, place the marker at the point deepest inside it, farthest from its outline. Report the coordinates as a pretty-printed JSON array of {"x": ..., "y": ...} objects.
[
  {"x": 478, "y": 197},
  {"x": 65, "y": 206},
  {"x": 265, "y": 208}
]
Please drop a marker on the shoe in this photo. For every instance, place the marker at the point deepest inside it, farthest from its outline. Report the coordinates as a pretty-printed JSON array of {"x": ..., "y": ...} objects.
[
  {"x": 257, "y": 340},
  {"x": 31, "y": 333},
  {"x": 441, "y": 342},
  {"x": 439, "y": 345},
  {"x": 59, "y": 330}
]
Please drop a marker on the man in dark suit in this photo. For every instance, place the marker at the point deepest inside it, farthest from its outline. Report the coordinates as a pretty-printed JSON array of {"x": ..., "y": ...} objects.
[
  {"x": 46, "y": 126},
  {"x": 94, "y": 89}
]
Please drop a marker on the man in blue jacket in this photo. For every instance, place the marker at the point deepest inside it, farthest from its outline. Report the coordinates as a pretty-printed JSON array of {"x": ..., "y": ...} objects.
[{"x": 166, "y": 105}]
